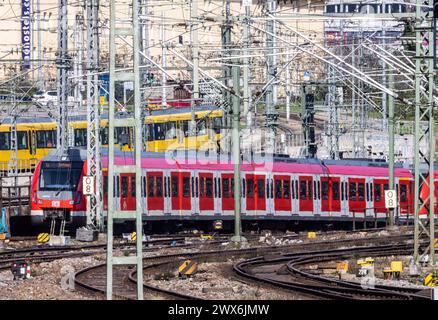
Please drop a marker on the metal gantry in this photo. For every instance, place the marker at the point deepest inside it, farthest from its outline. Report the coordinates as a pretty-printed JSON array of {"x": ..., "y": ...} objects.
[
  {"x": 424, "y": 112},
  {"x": 63, "y": 65},
  {"x": 271, "y": 72},
  {"x": 124, "y": 29},
  {"x": 94, "y": 208}
]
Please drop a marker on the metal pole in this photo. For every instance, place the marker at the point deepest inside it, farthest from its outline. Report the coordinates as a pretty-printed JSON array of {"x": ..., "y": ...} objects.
[
  {"x": 40, "y": 83},
  {"x": 236, "y": 153},
  {"x": 63, "y": 65},
  {"x": 164, "y": 62},
  {"x": 195, "y": 56},
  {"x": 271, "y": 114},
  {"x": 391, "y": 143},
  {"x": 246, "y": 68},
  {"x": 226, "y": 74},
  {"x": 424, "y": 128}
]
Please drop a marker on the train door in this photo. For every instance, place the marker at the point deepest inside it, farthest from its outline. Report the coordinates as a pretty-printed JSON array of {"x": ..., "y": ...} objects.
[
  {"x": 305, "y": 193},
  {"x": 217, "y": 193},
  {"x": 195, "y": 193},
  {"x": 155, "y": 192},
  {"x": 379, "y": 187},
  {"x": 295, "y": 195},
  {"x": 344, "y": 196},
  {"x": 206, "y": 196},
  {"x": 180, "y": 191},
  {"x": 227, "y": 186},
  {"x": 127, "y": 191},
  {"x": 405, "y": 195},
  {"x": 369, "y": 197},
  {"x": 255, "y": 192},
  {"x": 330, "y": 195},
  {"x": 356, "y": 195},
  {"x": 317, "y": 195},
  {"x": 282, "y": 194},
  {"x": 32, "y": 144}
]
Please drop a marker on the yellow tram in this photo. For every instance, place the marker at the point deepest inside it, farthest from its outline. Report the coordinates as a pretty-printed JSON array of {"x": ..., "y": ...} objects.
[{"x": 164, "y": 130}]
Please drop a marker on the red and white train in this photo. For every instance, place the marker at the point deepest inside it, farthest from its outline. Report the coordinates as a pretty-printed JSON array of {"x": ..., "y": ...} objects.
[{"x": 192, "y": 187}]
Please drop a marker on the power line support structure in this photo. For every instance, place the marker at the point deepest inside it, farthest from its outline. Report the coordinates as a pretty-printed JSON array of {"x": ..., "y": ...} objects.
[
  {"x": 271, "y": 71},
  {"x": 63, "y": 65},
  {"x": 235, "y": 144},
  {"x": 94, "y": 208},
  {"x": 226, "y": 74},
  {"x": 194, "y": 25},
  {"x": 424, "y": 130},
  {"x": 131, "y": 29}
]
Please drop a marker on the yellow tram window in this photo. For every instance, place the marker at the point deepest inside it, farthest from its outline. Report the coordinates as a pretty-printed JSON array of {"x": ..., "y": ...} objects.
[
  {"x": 5, "y": 141},
  {"x": 22, "y": 140},
  {"x": 46, "y": 138}
]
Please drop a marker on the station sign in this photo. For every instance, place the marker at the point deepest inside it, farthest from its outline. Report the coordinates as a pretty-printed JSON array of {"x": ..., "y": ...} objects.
[
  {"x": 88, "y": 185},
  {"x": 390, "y": 199}
]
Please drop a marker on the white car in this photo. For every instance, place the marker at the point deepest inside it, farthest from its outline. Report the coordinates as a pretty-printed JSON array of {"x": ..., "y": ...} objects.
[{"x": 50, "y": 98}]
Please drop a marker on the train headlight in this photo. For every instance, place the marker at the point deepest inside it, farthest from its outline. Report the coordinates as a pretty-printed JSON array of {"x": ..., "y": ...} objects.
[{"x": 40, "y": 201}]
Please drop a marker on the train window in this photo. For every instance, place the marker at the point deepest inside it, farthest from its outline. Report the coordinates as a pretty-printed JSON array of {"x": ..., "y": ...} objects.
[
  {"x": 46, "y": 138},
  {"x": 232, "y": 188},
  {"x": 345, "y": 190},
  {"x": 303, "y": 190},
  {"x": 5, "y": 141},
  {"x": 278, "y": 191},
  {"x": 201, "y": 127},
  {"x": 260, "y": 188},
  {"x": 243, "y": 187},
  {"x": 371, "y": 191},
  {"x": 314, "y": 188},
  {"x": 105, "y": 185},
  {"x": 361, "y": 191},
  {"x": 124, "y": 188},
  {"x": 165, "y": 187},
  {"x": 377, "y": 192},
  {"x": 325, "y": 190},
  {"x": 143, "y": 186},
  {"x": 225, "y": 187},
  {"x": 267, "y": 188},
  {"x": 352, "y": 192},
  {"x": 309, "y": 189},
  {"x": 193, "y": 186},
  {"x": 116, "y": 188},
  {"x": 171, "y": 130},
  {"x": 186, "y": 187},
  {"x": 335, "y": 190},
  {"x": 201, "y": 187},
  {"x": 286, "y": 189},
  {"x": 296, "y": 189},
  {"x": 272, "y": 189},
  {"x": 185, "y": 127},
  {"x": 150, "y": 132},
  {"x": 403, "y": 193},
  {"x": 293, "y": 190},
  {"x": 80, "y": 137},
  {"x": 219, "y": 187},
  {"x": 159, "y": 131},
  {"x": 174, "y": 186},
  {"x": 197, "y": 187},
  {"x": 104, "y": 135},
  {"x": 217, "y": 125},
  {"x": 330, "y": 8},
  {"x": 209, "y": 187},
  {"x": 132, "y": 186},
  {"x": 159, "y": 184},
  {"x": 319, "y": 190},
  {"x": 215, "y": 187},
  {"x": 386, "y": 187},
  {"x": 22, "y": 140},
  {"x": 250, "y": 191},
  {"x": 151, "y": 186}
]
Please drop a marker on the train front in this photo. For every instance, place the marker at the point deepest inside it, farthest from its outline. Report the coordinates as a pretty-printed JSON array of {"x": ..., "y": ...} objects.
[{"x": 56, "y": 191}]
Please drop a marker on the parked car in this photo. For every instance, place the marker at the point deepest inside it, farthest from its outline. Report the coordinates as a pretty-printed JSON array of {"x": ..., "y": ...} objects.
[{"x": 50, "y": 98}]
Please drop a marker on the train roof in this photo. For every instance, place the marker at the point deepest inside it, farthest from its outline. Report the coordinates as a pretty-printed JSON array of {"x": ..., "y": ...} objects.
[
  {"x": 161, "y": 112},
  {"x": 191, "y": 160}
]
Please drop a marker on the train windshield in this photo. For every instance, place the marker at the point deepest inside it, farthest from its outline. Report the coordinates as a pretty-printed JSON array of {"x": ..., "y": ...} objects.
[{"x": 60, "y": 176}]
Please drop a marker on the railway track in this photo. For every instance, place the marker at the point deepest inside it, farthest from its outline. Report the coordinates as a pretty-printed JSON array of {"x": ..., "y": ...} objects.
[
  {"x": 285, "y": 272},
  {"x": 93, "y": 279},
  {"x": 39, "y": 254}
]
